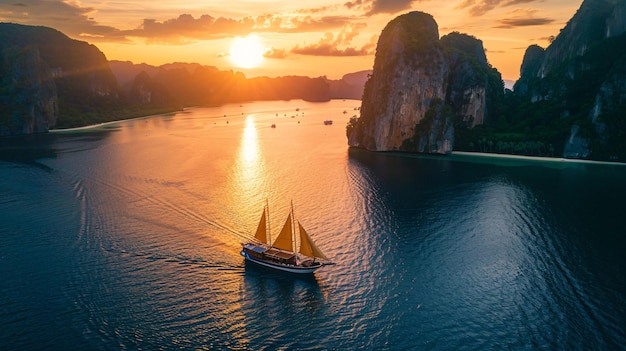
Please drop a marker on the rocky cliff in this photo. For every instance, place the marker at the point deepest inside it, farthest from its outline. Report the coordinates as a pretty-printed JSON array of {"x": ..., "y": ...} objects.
[
  {"x": 594, "y": 21},
  {"x": 48, "y": 79},
  {"x": 28, "y": 97},
  {"x": 582, "y": 74},
  {"x": 421, "y": 87}
]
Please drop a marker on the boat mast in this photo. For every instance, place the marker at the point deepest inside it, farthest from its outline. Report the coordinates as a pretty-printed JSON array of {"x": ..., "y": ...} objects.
[
  {"x": 293, "y": 229},
  {"x": 267, "y": 216}
]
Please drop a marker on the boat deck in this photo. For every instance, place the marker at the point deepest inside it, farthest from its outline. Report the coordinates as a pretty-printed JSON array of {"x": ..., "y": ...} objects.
[{"x": 272, "y": 252}]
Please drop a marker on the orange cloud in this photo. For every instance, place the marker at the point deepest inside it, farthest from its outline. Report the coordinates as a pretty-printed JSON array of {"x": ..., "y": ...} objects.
[
  {"x": 373, "y": 7},
  {"x": 74, "y": 20},
  {"x": 331, "y": 45},
  {"x": 523, "y": 22},
  {"x": 67, "y": 17},
  {"x": 523, "y": 18},
  {"x": 186, "y": 26},
  {"x": 323, "y": 9},
  {"x": 481, "y": 7},
  {"x": 310, "y": 24},
  {"x": 275, "y": 53}
]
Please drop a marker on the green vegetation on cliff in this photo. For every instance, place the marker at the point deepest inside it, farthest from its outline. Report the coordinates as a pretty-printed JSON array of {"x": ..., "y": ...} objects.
[
  {"x": 538, "y": 119},
  {"x": 570, "y": 98},
  {"x": 569, "y": 101}
]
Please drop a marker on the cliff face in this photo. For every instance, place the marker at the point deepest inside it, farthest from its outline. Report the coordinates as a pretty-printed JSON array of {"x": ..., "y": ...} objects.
[
  {"x": 420, "y": 88},
  {"x": 409, "y": 72},
  {"x": 583, "y": 75},
  {"x": 469, "y": 78},
  {"x": 594, "y": 21},
  {"x": 46, "y": 79},
  {"x": 28, "y": 98}
]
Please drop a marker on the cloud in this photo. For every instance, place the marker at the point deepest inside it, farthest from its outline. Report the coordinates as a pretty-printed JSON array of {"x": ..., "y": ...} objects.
[
  {"x": 523, "y": 18},
  {"x": 323, "y": 9},
  {"x": 70, "y": 18},
  {"x": 374, "y": 7},
  {"x": 310, "y": 24},
  {"x": 339, "y": 45},
  {"x": 523, "y": 22},
  {"x": 76, "y": 21},
  {"x": 275, "y": 53},
  {"x": 185, "y": 27},
  {"x": 480, "y": 7},
  {"x": 389, "y": 6}
]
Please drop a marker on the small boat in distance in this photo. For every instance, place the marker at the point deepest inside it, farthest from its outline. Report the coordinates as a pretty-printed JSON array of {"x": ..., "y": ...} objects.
[
  {"x": 281, "y": 255},
  {"x": 328, "y": 122}
]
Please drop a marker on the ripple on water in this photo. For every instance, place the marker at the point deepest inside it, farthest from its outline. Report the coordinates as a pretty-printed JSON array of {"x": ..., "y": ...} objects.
[{"x": 136, "y": 244}]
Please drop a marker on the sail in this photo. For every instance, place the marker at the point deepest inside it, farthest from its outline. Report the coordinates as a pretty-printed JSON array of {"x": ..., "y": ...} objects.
[
  {"x": 307, "y": 246},
  {"x": 284, "y": 240},
  {"x": 261, "y": 230}
]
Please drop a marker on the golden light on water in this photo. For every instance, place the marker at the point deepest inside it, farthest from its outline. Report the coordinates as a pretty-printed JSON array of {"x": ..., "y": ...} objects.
[
  {"x": 248, "y": 185},
  {"x": 249, "y": 152}
]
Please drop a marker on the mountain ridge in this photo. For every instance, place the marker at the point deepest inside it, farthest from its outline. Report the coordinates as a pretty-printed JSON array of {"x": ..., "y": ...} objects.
[{"x": 48, "y": 80}]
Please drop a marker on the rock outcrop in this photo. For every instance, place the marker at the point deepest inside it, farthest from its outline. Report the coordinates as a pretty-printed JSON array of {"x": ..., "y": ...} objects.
[
  {"x": 583, "y": 74},
  {"x": 421, "y": 87},
  {"x": 48, "y": 79},
  {"x": 594, "y": 21},
  {"x": 29, "y": 95}
]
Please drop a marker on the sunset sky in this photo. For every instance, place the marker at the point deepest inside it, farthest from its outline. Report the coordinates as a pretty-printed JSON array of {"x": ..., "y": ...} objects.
[{"x": 324, "y": 37}]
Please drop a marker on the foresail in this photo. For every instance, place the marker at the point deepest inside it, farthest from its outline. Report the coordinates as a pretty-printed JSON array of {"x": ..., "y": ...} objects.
[
  {"x": 307, "y": 246},
  {"x": 284, "y": 240},
  {"x": 261, "y": 230}
]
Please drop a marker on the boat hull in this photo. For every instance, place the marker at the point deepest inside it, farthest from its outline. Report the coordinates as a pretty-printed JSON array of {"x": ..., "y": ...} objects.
[{"x": 278, "y": 266}]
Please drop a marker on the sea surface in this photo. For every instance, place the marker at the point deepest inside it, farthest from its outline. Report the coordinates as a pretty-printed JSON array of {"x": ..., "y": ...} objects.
[{"x": 126, "y": 236}]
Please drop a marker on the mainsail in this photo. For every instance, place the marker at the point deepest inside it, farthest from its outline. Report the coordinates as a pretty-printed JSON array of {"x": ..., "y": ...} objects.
[
  {"x": 261, "y": 230},
  {"x": 284, "y": 240},
  {"x": 307, "y": 246}
]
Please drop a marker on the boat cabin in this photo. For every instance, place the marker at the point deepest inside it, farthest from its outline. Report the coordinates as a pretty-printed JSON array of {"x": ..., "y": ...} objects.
[
  {"x": 272, "y": 254},
  {"x": 280, "y": 256}
]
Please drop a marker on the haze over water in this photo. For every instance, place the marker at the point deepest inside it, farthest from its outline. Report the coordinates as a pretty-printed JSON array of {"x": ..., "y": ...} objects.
[{"x": 127, "y": 236}]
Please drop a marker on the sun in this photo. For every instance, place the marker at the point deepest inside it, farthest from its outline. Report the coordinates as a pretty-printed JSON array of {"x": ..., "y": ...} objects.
[{"x": 247, "y": 52}]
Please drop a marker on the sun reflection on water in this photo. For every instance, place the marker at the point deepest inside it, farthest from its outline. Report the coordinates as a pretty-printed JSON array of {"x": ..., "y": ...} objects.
[
  {"x": 249, "y": 151},
  {"x": 248, "y": 186}
]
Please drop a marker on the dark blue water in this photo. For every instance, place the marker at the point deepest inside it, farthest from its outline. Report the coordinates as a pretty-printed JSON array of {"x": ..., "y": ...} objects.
[{"x": 127, "y": 236}]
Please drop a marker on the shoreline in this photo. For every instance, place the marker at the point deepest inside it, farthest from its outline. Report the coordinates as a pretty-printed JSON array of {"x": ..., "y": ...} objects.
[
  {"x": 534, "y": 158},
  {"x": 483, "y": 155},
  {"x": 104, "y": 124},
  {"x": 469, "y": 156}
]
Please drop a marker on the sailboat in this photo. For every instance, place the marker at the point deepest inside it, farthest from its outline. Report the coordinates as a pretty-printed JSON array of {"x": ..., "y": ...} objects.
[{"x": 281, "y": 254}]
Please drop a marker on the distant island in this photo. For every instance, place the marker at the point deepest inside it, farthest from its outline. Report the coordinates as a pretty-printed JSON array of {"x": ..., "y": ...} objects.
[
  {"x": 48, "y": 80},
  {"x": 437, "y": 95}
]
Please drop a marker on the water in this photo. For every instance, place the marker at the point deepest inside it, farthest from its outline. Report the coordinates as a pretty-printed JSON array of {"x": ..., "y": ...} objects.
[{"x": 127, "y": 236}]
